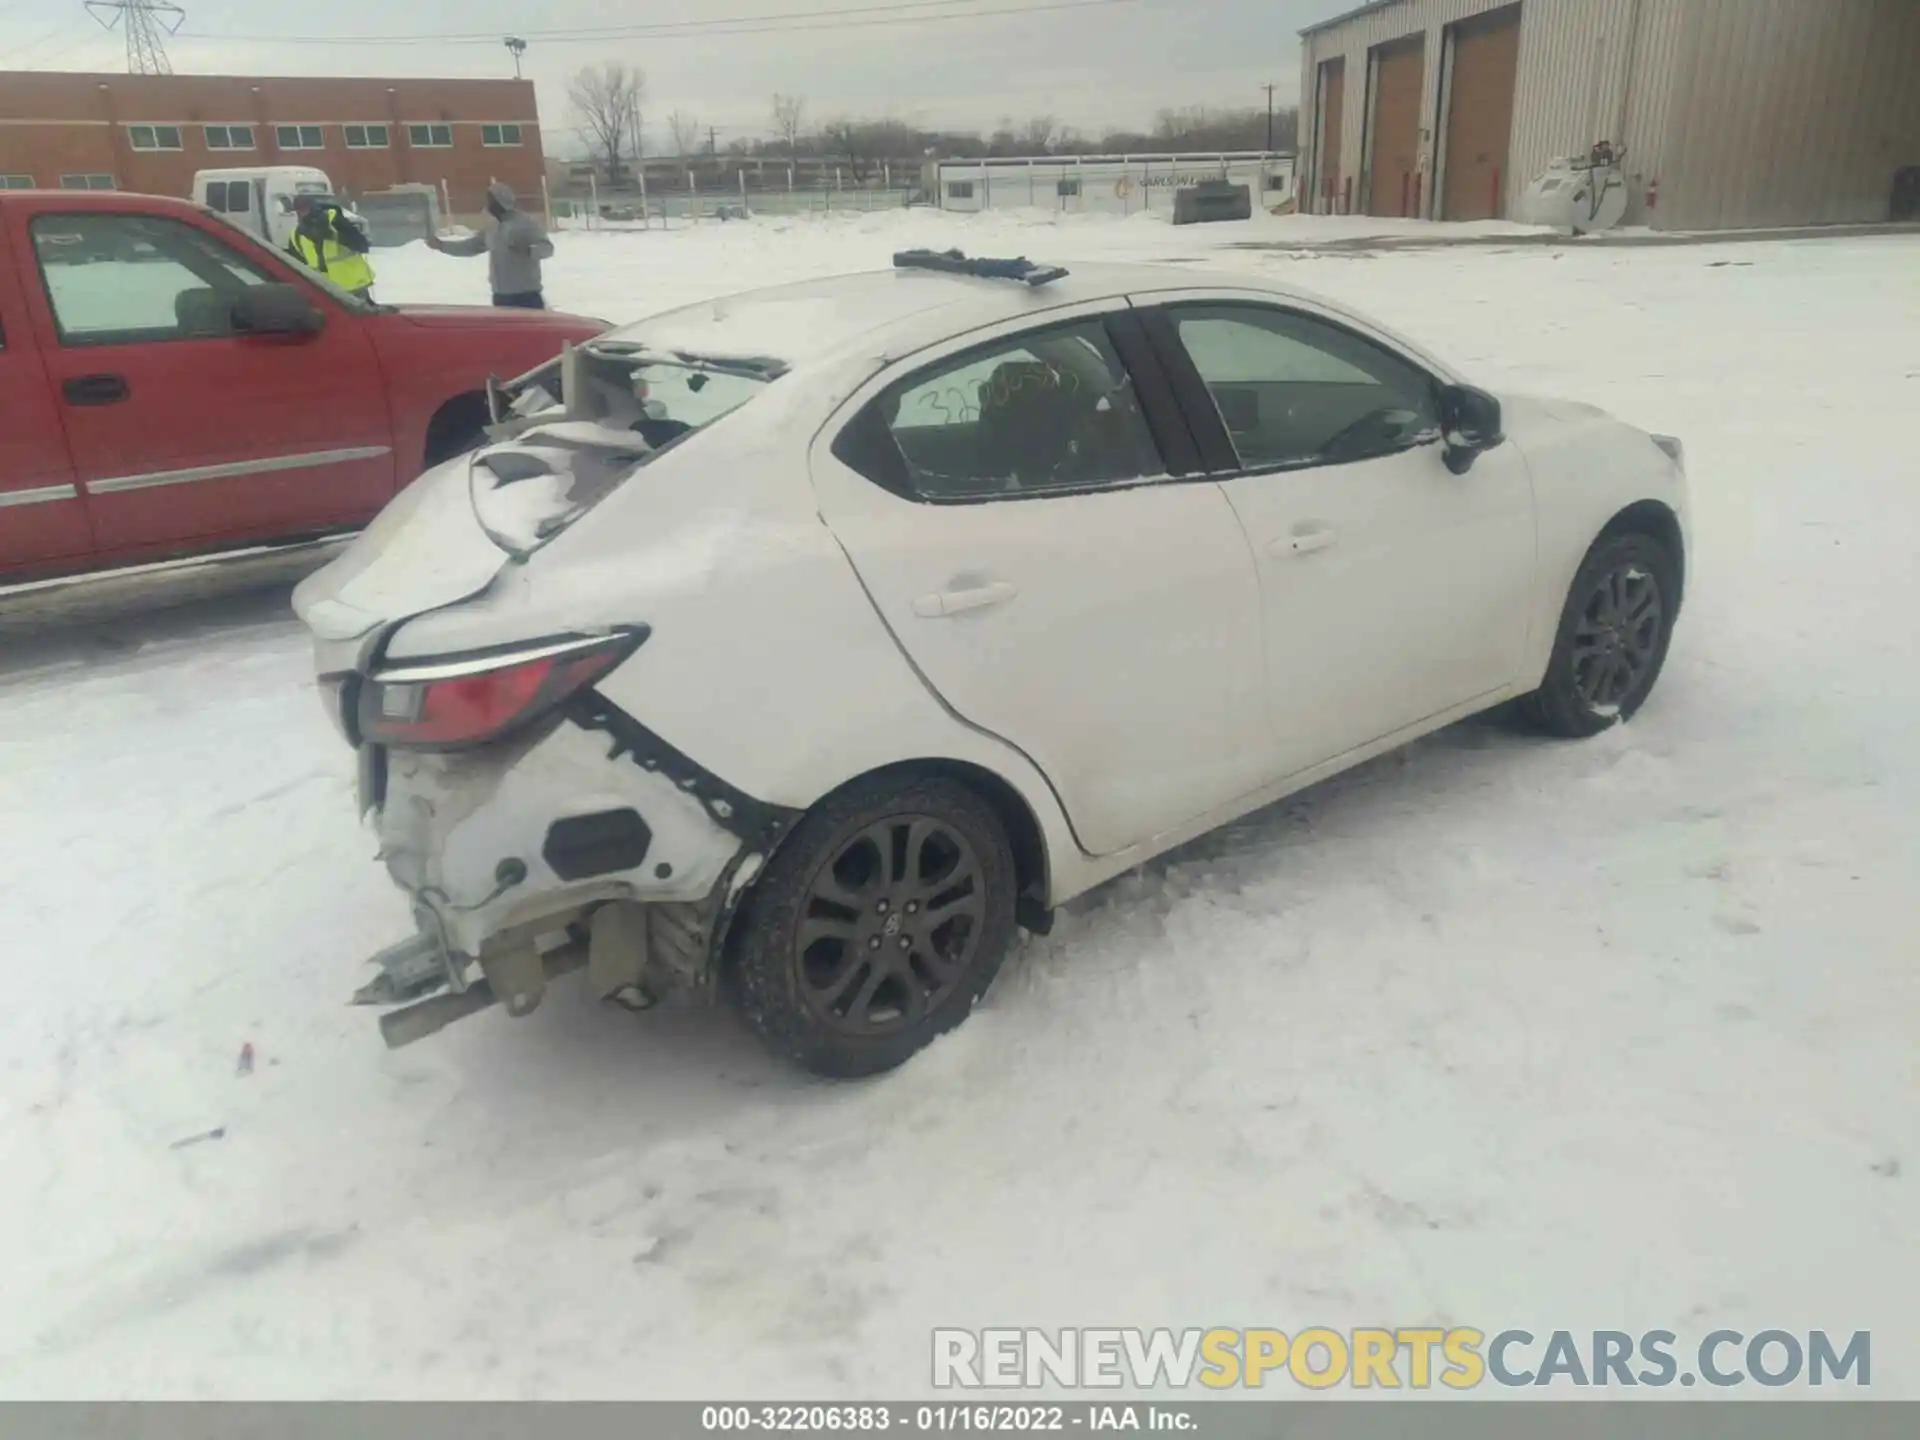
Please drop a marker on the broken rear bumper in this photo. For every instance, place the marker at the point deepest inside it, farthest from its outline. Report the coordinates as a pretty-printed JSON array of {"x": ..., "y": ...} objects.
[{"x": 590, "y": 844}]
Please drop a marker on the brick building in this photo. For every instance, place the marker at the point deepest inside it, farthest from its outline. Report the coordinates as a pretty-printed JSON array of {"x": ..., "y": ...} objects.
[{"x": 150, "y": 133}]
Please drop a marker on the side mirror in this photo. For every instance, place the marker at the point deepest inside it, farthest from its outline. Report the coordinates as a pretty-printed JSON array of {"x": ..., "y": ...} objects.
[
  {"x": 276, "y": 310},
  {"x": 1470, "y": 421}
]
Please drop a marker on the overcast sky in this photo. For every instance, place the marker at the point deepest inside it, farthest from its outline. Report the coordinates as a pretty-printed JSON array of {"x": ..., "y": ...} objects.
[{"x": 1100, "y": 63}]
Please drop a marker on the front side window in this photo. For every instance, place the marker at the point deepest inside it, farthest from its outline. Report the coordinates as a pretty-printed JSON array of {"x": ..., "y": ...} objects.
[
  {"x": 154, "y": 137},
  {"x": 1046, "y": 411},
  {"x": 1293, "y": 390},
  {"x": 133, "y": 279},
  {"x": 229, "y": 137},
  {"x": 430, "y": 137}
]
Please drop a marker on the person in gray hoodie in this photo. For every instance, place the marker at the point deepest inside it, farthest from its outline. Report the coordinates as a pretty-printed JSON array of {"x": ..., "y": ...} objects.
[{"x": 514, "y": 248}]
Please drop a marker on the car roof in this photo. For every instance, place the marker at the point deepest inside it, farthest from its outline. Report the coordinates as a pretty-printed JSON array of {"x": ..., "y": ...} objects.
[
  {"x": 73, "y": 200},
  {"x": 893, "y": 312}
]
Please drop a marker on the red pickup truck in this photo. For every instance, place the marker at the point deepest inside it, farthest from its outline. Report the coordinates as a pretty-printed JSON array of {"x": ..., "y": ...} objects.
[{"x": 170, "y": 386}]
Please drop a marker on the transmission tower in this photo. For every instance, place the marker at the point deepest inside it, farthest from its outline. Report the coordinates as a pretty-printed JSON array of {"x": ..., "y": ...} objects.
[{"x": 147, "y": 24}]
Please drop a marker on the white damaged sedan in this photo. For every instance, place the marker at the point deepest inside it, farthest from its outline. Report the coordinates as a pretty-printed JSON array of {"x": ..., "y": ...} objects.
[{"x": 799, "y": 646}]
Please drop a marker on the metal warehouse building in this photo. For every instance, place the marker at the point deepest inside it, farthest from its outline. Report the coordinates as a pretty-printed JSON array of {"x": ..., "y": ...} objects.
[{"x": 1731, "y": 112}]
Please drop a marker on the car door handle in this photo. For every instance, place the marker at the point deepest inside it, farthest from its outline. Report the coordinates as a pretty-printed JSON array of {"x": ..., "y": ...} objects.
[
  {"x": 96, "y": 390},
  {"x": 1302, "y": 542},
  {"x": 957, "y": 602}
]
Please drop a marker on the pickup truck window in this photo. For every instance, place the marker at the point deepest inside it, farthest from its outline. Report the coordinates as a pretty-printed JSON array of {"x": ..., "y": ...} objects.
[{"x": 135, "y": 279}]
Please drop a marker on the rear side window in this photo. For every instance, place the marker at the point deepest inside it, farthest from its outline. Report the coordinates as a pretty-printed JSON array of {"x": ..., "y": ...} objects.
[
  {"x": 135, "y": 279},
  {"x": 229, "y": 197},
  {"x": 1043, "y": 412}
]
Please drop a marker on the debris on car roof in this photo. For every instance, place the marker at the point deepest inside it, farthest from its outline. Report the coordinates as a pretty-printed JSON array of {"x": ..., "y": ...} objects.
[{"x": 953, "y": 262}]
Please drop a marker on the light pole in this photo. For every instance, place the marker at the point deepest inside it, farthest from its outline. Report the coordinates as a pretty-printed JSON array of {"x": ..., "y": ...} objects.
[
  {"x": 1269, "y": 89},
  {"x": 515, "y": 47}
]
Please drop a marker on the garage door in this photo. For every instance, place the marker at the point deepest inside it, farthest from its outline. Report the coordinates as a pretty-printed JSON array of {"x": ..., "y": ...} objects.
[
  {"x": 1333, "y": 102},
  {"x": 1394, "y": 130},
  {"x": 1486, "y": 54}
]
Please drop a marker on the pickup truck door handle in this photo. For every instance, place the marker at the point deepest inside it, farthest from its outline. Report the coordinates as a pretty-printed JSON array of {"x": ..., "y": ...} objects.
[
  {"x": 96, "y": 390},
  {"x": 1303, "y": 541},
  {"x": 957, "y": 602}
]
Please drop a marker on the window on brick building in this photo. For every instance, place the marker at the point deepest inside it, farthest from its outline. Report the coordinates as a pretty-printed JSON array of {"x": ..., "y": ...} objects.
[
  {"x": 430, "y": 137},
  {"x": 300, "y": 137},
  {"x": 367, "y": 137},
  {"x": 86, "y": 182},
  {"x": 499, "y": 135},
  {"x": 229, "y": 137},
  {"x": 16, "y": 182},
  {"x": 154, "y": 137}
]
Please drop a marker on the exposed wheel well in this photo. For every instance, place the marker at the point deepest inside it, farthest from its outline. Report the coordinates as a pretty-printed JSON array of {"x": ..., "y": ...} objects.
[
  {"x": 1023, "y": 829},
  {"x": 1650, "y": 517},
  {"x": 457, "y": 426}
]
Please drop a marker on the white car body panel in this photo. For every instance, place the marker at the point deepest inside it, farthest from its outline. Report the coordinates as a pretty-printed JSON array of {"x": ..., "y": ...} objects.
[
  {"x": 1587, "y": 467},
  {"x": 1118, "y": 645},
  {"x": 1393, "y": 590},
  {"x": 1161, "y": 659}
]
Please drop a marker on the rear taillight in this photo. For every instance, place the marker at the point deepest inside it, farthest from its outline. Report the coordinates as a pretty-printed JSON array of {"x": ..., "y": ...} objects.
[{"x": 462, "y": 701}]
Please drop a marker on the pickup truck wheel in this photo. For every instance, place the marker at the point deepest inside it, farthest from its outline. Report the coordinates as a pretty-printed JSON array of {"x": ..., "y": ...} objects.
[
  {"x": 458, "y": 426},
  {"x": 877, "y": 926}
]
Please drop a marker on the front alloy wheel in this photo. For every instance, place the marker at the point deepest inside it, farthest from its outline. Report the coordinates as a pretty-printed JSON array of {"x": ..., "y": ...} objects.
[
  {"x": 877, "y": 925},
  {"x": 1613, "y": 637},
  {"x": 1618, "y": 639}
]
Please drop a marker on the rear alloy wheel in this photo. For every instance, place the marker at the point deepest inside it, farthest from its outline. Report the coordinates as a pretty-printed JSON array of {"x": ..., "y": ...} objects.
[
  {"x": 878, "y": 924},
  {"x": 1613, "y": 638}
]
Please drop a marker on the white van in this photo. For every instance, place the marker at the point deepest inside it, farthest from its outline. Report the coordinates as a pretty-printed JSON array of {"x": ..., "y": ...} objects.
[{"x": 260, "y": 199}]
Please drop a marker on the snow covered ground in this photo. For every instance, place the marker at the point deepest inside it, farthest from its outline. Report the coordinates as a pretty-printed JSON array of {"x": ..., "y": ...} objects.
[{"x": 1493, "y": 1032}]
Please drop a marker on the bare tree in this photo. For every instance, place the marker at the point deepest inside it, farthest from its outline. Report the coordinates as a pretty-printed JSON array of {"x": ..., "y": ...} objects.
[
  {"x": 1198, "y": 128},
  {"x": 1039, "y": 133},
  {"x": 685, "y": 130},
  {"x": 788, "y": 112},
  {"x": 606, "y": 103},
  {"x": 846, "y": 139}
]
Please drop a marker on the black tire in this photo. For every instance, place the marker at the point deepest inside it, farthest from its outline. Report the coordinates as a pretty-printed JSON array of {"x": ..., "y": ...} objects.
[
  {"x": 1604, "y": 624},
  {"x": 903, "y": 978}
]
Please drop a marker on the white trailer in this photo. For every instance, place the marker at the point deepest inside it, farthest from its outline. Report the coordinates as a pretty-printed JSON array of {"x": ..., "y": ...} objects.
[{"x": 1106, "y": 184}]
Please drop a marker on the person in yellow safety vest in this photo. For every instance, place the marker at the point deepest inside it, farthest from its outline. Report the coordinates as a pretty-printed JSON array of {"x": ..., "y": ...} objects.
[{"x": 328, "y": 242}]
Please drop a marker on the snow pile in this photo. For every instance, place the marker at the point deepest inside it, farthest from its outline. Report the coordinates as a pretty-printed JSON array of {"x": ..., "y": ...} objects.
[{"x": 1493, "y": 1032}]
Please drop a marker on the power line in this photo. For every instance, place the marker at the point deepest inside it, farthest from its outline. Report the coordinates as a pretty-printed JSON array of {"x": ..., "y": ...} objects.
[
  {"x": 846, "y": 18},
  {"x": 654, "y": 26},
  {"x": 46, "y": 37},
  {"x": 61, "y": 53}
]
